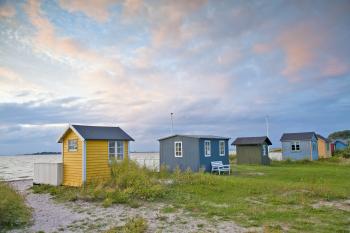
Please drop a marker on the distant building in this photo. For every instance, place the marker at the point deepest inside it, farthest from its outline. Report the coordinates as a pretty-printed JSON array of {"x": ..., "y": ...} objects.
[
  {"x": 338, "y": 144},
  {"x": 193, "y": 151},
  {"x": 324, "y": 148},
  {"x": 299, "y": 146},
  {"x": 252, "y": 150},
  {"x": 88, "y": 150}
]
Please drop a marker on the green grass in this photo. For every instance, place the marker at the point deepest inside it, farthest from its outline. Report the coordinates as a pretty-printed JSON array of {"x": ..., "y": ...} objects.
[
  {"x": 133, "y": 225},
  {"x": 13, "y": 211},
  {"x": 277, "y": 196},
  {"x": 129, "y": 184},
  {"x": 283, "y": 197}
]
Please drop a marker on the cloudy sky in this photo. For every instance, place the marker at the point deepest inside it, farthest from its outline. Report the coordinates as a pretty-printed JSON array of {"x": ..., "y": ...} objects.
[{"x": 219, "y": 66}]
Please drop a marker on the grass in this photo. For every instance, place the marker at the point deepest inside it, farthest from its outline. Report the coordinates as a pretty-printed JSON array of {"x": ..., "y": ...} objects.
[
  {"x": 277, "y": 196},
  {"x": 133, "y": 225},
  {"x": 283, "y": 197},
  {"x": 13, "y": 211},
  {"x": 129, "y": 184}
]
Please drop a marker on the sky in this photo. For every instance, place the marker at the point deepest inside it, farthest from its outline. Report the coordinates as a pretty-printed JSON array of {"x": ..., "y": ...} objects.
[{"x": 220, "y": 66}]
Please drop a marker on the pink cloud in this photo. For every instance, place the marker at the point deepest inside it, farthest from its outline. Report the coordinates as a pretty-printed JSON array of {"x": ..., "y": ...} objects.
[
  {"x": 307, "y": 46},
  {"x": 300, "y": 44},
  {"x": 97, "y": 10},
  {"x": 262, "y": 47},
  {"x": 7, "y": 11},
  {"x": 46, "y": 39},
  {"x": 335, "y": 67},
  {"x": 168, "y": 21}
]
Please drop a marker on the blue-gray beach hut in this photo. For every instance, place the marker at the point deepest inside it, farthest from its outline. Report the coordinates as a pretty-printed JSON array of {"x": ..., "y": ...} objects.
[{"x": 193, "y": 151}]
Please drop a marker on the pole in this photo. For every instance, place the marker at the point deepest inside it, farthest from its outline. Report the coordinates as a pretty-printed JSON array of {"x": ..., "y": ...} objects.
[
  {"x": 172, "y": 124},
  {"x": 267, "y": 125}
]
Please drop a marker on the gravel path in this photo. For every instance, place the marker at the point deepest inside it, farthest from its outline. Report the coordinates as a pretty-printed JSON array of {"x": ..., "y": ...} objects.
[{"x": 50, "y": 216}]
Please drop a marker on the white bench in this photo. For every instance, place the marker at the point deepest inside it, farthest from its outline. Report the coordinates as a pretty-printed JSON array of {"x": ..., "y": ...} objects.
[{"x": 217, "y": 166}]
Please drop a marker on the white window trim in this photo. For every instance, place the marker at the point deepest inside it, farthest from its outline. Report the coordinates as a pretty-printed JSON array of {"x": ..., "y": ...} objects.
[
  {"x": 178, "y": 142},
  {"x": 205, "y": 152},
  {"x": 115, "y": 150},
  {"x": 295, "y": 145},
  {"x": 73, "y": 150},
  {"x": 220, "y": 148},
  {"x": 264, "y": 150}
]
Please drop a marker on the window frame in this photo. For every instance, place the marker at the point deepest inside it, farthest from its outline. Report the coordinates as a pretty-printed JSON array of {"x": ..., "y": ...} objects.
[
  {"x": 74, "y": 149},
  {"x": 205, "y": 148},
  {"x": 175, "y": 151},
  {"x": 116, "y": 155},
  {"x": 224, "y": 145},
  {"x": 295, "y": 143}
]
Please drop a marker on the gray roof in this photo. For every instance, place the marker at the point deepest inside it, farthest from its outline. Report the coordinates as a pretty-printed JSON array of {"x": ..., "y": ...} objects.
[
  {"x": 99, "y": 133},
  {"x": 251, "y": 141},
  {"x": 305, "y": 136},
  {"x": 195, "y": 136},
  {"x": 323, "y": 138},
  {"x": 340, "y": 140}
]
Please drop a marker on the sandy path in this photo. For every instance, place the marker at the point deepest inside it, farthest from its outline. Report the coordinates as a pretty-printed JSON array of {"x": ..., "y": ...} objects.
[{"x": 50, "y": 216}]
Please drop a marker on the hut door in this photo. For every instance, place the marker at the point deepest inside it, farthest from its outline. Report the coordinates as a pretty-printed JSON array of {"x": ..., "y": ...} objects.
[{"x": 265, "y": 155}]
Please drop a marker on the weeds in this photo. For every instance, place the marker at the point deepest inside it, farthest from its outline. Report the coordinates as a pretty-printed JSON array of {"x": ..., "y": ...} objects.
[
  {"x": 13, "y": 210},
  {"x": 343, "y": 153},
  {"x": 128, "y": 184},
  {"x": 133, "y": 225}
]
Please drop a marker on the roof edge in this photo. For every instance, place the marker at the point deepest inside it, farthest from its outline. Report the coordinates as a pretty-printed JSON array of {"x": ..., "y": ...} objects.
[
  {"x": 60, "y": 139},
  {"x": 192, "y": 136}
]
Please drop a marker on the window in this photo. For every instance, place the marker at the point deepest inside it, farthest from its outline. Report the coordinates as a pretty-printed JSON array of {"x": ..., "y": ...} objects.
[
  {"x": 115, "y": 150},
  {"x": 72, "y": 145},
  {"x": 207, "y": 151},
  {"x": 295, "y": 146},
  {"x": 178, "y": 149},
  {"x": 222, "y": 148},
  {"x": 264, "y": 150}
]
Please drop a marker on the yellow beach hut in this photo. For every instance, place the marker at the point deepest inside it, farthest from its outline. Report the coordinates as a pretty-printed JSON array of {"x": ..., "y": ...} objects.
[
  {"x": 324, "y": 150},
  {"x": 88, "y": 150}
]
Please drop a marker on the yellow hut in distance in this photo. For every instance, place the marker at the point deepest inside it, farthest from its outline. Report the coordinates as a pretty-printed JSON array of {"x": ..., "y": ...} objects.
[
  {"x": 324, "y": 150},
  {"x": 88, "y": 150}
]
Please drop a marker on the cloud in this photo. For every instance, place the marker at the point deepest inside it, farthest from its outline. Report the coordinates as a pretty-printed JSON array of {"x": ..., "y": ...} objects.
[
  {"x": 169, "y": 21},
  {"x": 12, "y": 84},
  {"x": 300, "y": 44},
  {"x": 7, "y": 11},
  {"x": 308, "y": 50},
  {"x": 46, "y": 40},
  {"x": 98, "y": 10}
]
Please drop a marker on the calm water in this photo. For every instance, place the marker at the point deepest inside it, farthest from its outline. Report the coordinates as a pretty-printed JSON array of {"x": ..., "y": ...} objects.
[{"x": 19, "y": 167}]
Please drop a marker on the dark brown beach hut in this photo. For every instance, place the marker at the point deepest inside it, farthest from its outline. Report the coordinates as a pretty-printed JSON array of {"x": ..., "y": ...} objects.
[{"x": 252, "y": 150}]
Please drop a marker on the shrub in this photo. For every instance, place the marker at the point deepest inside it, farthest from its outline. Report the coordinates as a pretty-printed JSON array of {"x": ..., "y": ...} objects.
[
  {"x": 134, "y": 225},
  {"x": 13, "y": 210},
  {"x": 343, "y": 153},
  {"x": 128, "y": 184}
]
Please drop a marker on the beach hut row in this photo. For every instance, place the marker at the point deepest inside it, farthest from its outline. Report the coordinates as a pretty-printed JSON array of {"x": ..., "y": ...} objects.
[{"x": 87, "y": 151}]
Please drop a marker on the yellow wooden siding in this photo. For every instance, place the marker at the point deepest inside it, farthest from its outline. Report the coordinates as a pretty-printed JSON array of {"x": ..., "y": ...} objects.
[
  {"x": 322, "y": 149},
  {"x": 126, "y": 149},
  {"x": 97, "y": 165},
  {"x": 72, "y": 161}
]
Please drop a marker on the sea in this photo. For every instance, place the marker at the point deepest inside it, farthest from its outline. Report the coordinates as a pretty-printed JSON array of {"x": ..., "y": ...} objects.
[{"x": 19, "y": 167}]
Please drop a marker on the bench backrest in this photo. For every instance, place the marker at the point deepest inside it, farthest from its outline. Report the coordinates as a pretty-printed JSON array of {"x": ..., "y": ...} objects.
[{"x": 216, "y": 163}]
